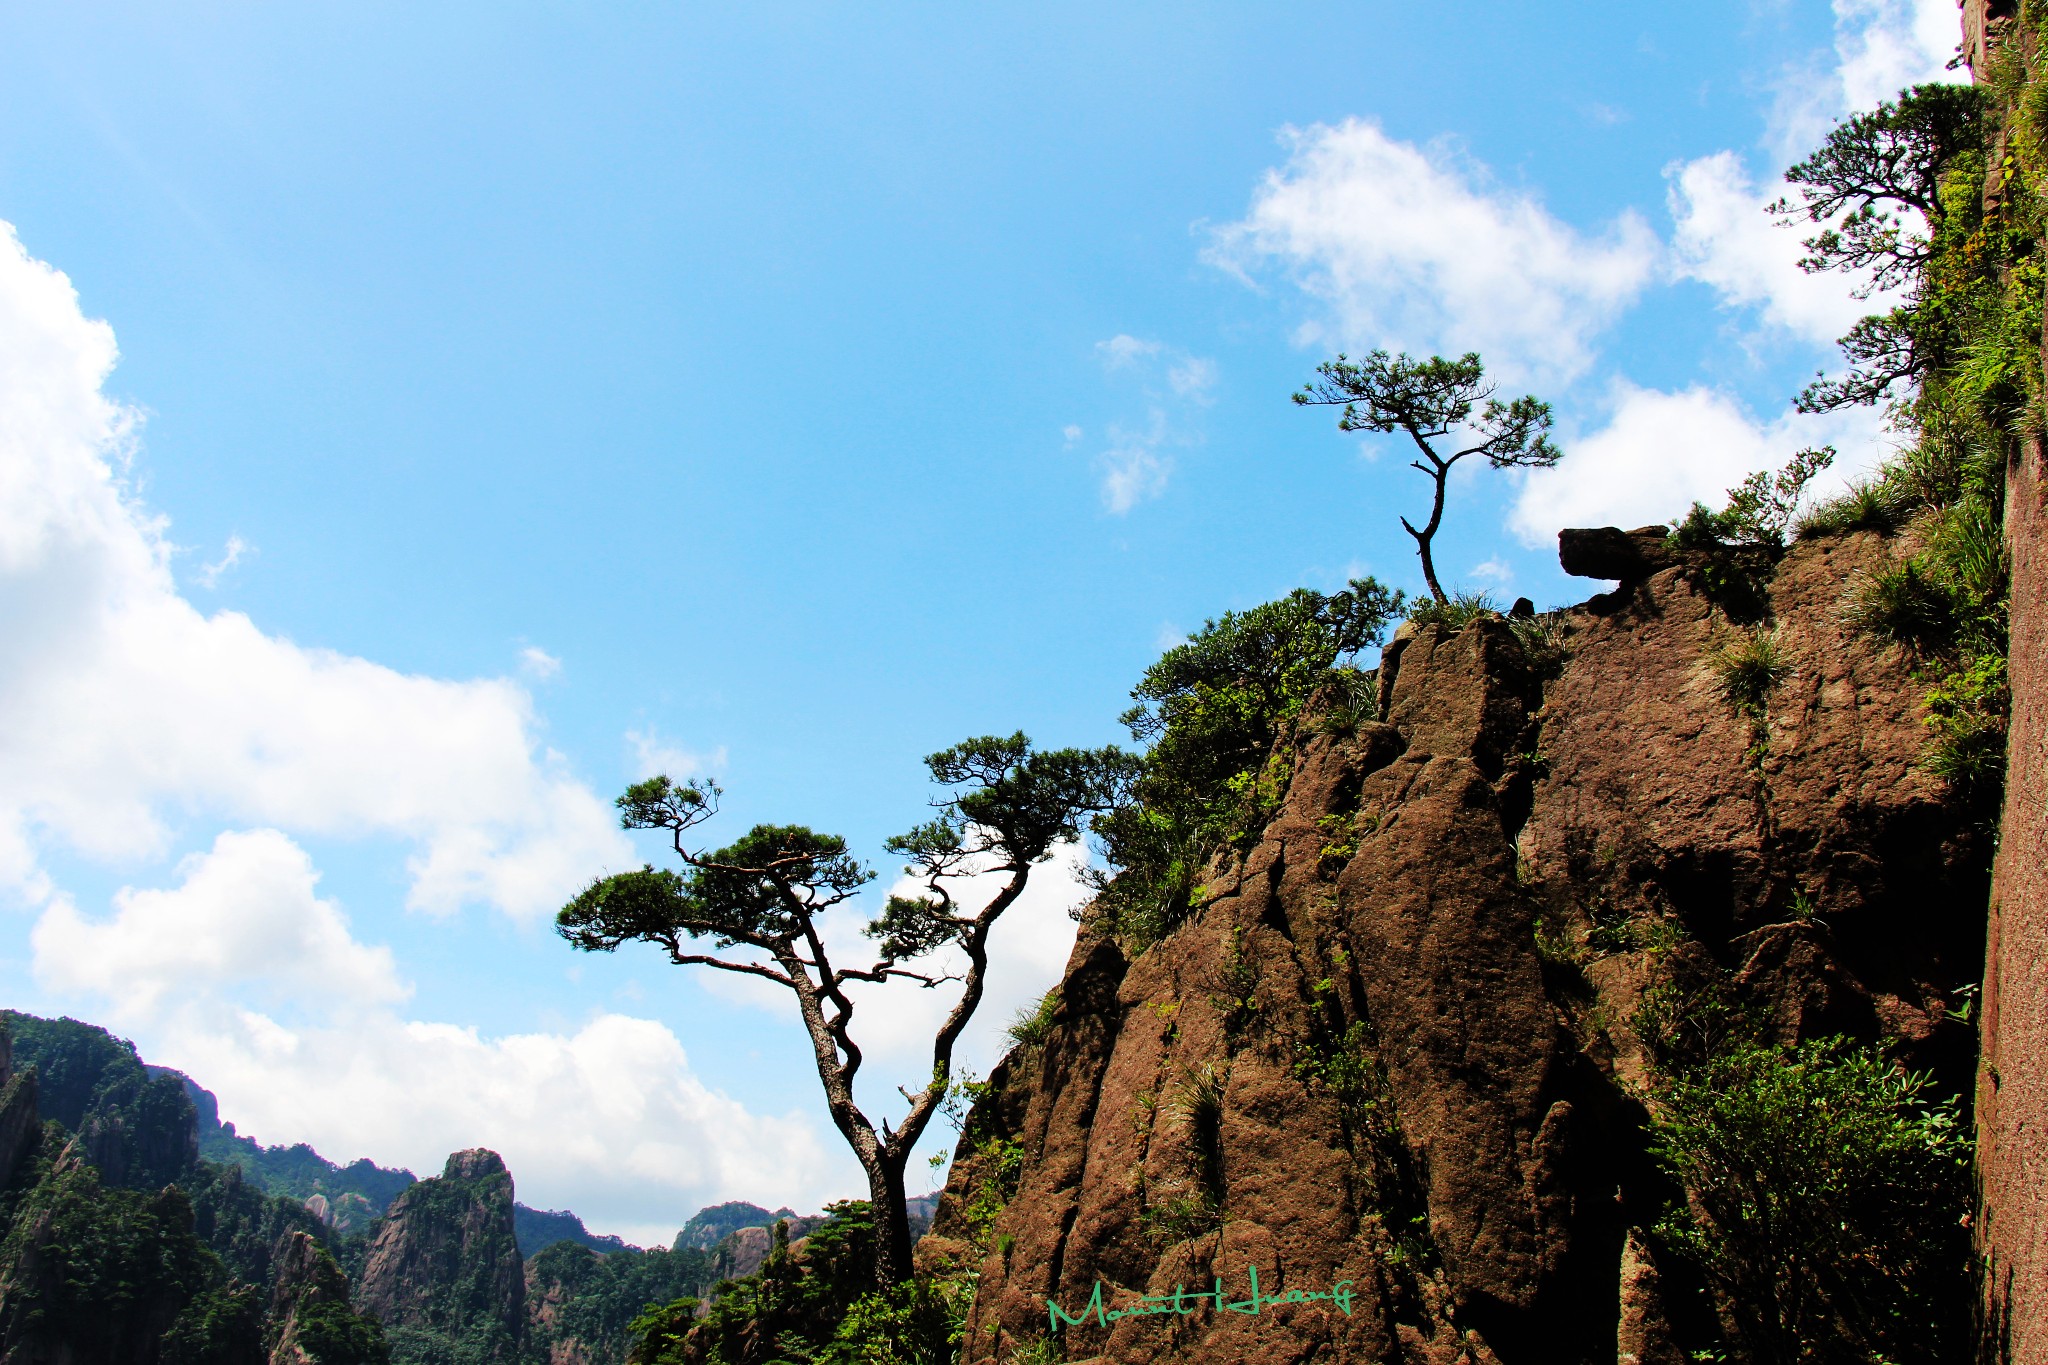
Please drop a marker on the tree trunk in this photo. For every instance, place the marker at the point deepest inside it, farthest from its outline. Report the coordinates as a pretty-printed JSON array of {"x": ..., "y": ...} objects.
[{"x": 891, "y": 1211}]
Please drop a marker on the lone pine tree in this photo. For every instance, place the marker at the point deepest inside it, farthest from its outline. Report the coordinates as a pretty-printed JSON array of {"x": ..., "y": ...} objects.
[{"x": 1432, "y": 400}]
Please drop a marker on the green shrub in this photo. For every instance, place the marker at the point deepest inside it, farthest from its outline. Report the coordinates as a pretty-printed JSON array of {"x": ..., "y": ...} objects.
[
  {"x": 1034, "y": 1022},
  {"x": 1826, "y": 1201},
  {"x": 1904, "y": 606},
  {"x": 918, "y": 1322},
  {"x": 1213, "y": 710},
  {"x": 1867, "y": 505}
]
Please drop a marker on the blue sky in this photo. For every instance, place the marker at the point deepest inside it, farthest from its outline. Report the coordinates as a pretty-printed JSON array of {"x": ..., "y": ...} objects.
[{"x": 512, "y": 399}]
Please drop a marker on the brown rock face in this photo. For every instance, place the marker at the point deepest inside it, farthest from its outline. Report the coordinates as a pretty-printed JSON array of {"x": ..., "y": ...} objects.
[
  {"x": 304, "y": 1278},
  {"x": 2012, "y": 1084},
  {"x": 1353, "y": 1067},
  {"x": 1610, "y": 552},
  {"x": 446, "y": 1261}
]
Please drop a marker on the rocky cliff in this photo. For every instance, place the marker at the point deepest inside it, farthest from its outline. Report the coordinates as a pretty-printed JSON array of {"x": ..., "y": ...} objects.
[
  {"x": 1397, "y": 1047},
  {"x": 2012, "y": 1085},
  {"x": 445, "y": 1271}
]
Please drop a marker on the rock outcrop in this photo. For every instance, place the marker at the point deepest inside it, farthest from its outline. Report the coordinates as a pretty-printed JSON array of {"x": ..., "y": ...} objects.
[
  {"x": 445, "y": 1264},
  {"x": 310, "y": 1317},
  {"x": 1366, "y": 1061}
]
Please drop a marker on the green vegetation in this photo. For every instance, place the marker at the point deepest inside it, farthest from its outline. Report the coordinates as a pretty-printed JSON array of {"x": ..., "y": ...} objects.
[
  {"x": 1826, "y": 1201},
  {"x": 1431, "y": 400},
  {"x": 1821, "y": 1190},
  {"x": 117, "y": 1245},
  {"x": 815, "y": 1303},
  {"x": 1348, "y": 1069},
  {"x": 1746, "y": 671},
  {"x": 1034, "y": 1022},
  {"x": 1008, "y": 807},
  {"x": 1958, "y": 362},
  {"x": 1213, "y": 711},
  {"x": 602, "y": 1296}
]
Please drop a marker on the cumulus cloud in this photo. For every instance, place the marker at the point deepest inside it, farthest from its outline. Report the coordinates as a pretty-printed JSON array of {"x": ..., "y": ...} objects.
[
  {"x": 1726, "y": 240},
  {"x": 1659, "y": 452},
  {"x": 609, "y": 1120},
  {"x": 123, "y": 707},
  {"x": 246, "y": 913},
  {"x": 1723, "y": 237},
  {"x": 1415, "y": 249},
  {"x": 243, "y": 976},
  {"x": 1881, "y": 47}
]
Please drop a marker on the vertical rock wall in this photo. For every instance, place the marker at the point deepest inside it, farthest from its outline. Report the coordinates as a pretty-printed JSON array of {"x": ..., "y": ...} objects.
[
  {"x": 1368, "y": 1062},
  {"x": 2012, "y": 1083}
]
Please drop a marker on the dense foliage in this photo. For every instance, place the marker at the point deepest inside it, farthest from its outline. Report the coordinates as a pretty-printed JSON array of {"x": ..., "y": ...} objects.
[
  {"x": 1906, "y": 197},
  {"x": 815, "y": 1303},
  {"x": 1212, "y": 710},
  {"x": 1826, "y": 1201}
]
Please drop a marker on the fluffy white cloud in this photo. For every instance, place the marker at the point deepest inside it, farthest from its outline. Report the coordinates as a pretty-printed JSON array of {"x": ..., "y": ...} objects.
[
  {"x": 1881, "y": 47},
  {"x": 245, "y": 914},
  {"x": 608, "y": 1120},
  {"x": 1726, "y": 240},
  {"x": 242, "y": 976},
  {"x": 1659, "y": 452},
  {"x": 123, "y": 707},
  {"x": 1411, "y": 248}
]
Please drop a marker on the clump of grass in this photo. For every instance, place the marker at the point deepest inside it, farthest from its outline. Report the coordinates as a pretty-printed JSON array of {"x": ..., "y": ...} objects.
[
  {"x": 1747, "y": 668},
  {"x": 1034, "y": 1022},
  {"x": 1904, "y": 606},
  {"x": 1879, "y": 505},
  {"x": 1456, "y": 612}
]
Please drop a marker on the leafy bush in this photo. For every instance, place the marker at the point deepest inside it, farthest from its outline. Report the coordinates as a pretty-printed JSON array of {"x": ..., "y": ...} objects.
[
  {"x": 1826, "y": 1201},
  {"x": 1212, "y": 710},
  {"x": 918, "y": 1322},
  {"x": 1760, "y": 509}
]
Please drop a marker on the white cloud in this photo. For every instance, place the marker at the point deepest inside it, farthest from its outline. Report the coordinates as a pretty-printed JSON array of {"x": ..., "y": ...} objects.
[
  {"x": 1725, "y": 240},
  {"x": 1881, "y": 47},
  {"x": 245, "y": 913},
  {"x": 231, "y": 555},
  {"x": 538, "y": 664},
  {"x": 651, "y": 754},
  {"x": 609, "y": 1120},
  {"x": 1494, "y": 570},
  {"x": 1135, "y": 466},
  {"x": 1193, "y": 378},
  {"x": 1411, "y": 249},
  {"x": 122, "y": 706},
  {"x": 1070, "y": 433},
  {"x": 1124, "y": 349},
  {"x": 1660, "y": 452}
]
